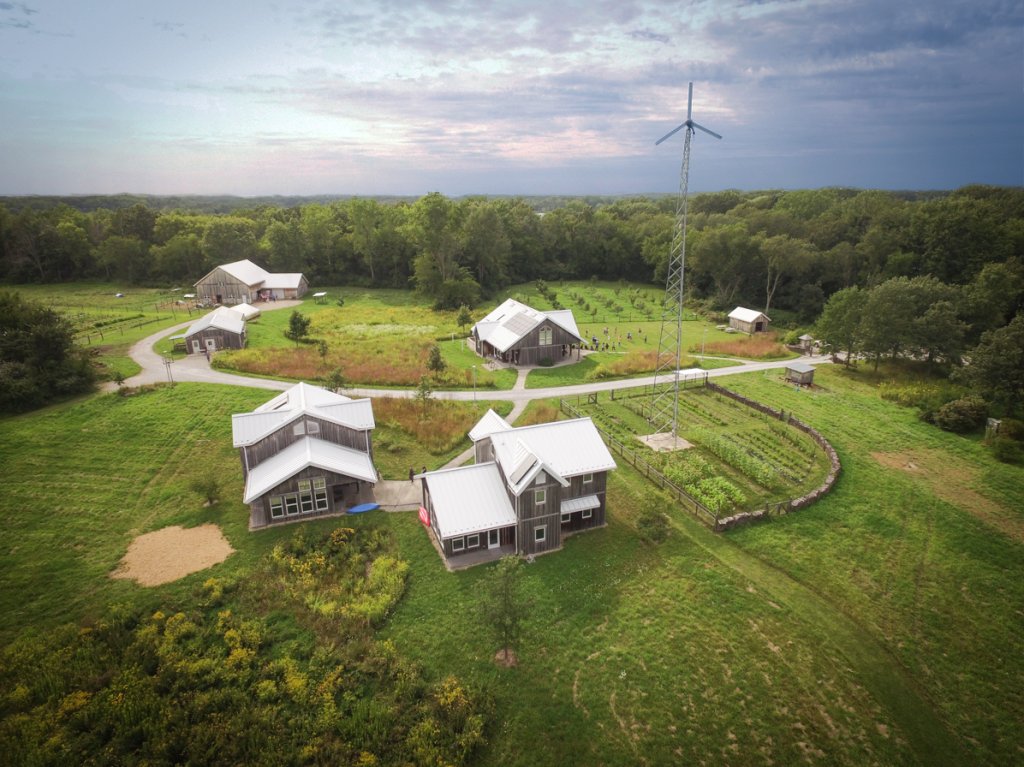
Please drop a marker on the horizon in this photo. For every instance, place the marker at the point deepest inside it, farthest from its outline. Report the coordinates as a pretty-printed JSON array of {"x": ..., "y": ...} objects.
[{"x": 506, "y": 99}]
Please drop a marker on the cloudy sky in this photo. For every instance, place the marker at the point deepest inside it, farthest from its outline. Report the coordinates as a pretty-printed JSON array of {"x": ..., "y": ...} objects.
[{"x": 253, "y": 97}]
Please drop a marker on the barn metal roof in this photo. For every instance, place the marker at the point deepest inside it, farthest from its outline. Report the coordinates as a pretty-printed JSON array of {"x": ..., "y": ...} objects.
[
  {"x": 512, "y": 321},
  {"x": 469, "y": 499},
  {"x": 747, "y": 315},
  {"x": 799, "y": 367},
  {"x": 282, "y": 280},
  {"x": 563, "y": 448},
  {"x": 307, "y": 452},
  {"x": 490, "y": 423},
  {"x": 300, "y": 399},
  {"x": 246, "y": 310},
  {"x": 221, "y": 318},
  {"x": 246, "y": 271}
]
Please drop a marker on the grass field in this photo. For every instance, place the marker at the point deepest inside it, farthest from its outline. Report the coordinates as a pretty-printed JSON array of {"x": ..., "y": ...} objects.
[{"x": 880, "y": 626}]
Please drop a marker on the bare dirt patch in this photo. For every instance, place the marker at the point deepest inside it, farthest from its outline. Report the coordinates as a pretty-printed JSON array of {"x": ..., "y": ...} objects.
[
  {"x": 506, "y": 658},
  {"x": 172, "y": 553},
  {"x": 952, "y": 480}
]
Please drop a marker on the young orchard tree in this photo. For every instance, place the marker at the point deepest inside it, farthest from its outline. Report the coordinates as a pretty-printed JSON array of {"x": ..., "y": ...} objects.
[
  {"x": 435, "y": 362},
  {"x": 298, "y": 327},
  {"x": 504, "y": 607}
]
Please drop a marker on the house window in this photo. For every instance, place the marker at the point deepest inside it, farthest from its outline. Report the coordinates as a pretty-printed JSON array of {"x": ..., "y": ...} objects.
[
  {"x": 566, "y": 519},
  {"x": 304, "y": 484},
  {"x": 545, "y": 336},
  {"x": 313, "y": 427},
  {"x": 458, "y": 544},
  {"x": 587, "y": 513},
  {"x": 541, "y": 478},
  {"x": 276, "y": 507},
  {"x": 299, "y": 429},
  {"x": 539, "y": 498},
  {"x": 291, "y": 504},
  {"x": 472, "y": 541},
  {"x": 306, "y": 502},
  {"x": 540, "y": 533},
  {"x": 588, "y": 479},
  {"x": 320, "y": 493}
]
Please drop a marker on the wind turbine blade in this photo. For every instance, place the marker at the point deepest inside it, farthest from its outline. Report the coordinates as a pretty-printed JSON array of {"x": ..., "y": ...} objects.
[
  {"x": 701, "y": 127},
  {"x": 670, "y": 133},
  {"x": 689, "y": 103}
]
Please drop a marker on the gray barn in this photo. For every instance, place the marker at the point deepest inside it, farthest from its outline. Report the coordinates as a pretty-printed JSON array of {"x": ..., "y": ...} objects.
[{"x": 519, "y": 335}]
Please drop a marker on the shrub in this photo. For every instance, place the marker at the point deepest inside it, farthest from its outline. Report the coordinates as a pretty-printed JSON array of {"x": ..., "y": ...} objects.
[
  {"x": 652, "y": 523},
  {"x": 1012, "y": 428},
  {"x": 962, "y": 415},
  {"x": 1007, "y": 450},
  {"x": 545, "y": 362}
]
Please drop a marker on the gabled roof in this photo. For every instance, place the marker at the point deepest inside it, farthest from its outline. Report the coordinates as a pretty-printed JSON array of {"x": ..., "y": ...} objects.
[
  {"x": 221, "y": 318},
  {"x": 490, "y": 423},
  {"x": 564, "y": 449},
  {"x": 513, "y": 321},
  {"x": 300, "y": 399},
  {"x": 747, "y": 315},
  {"x": 800, "y": 367},
  {"x": 469, "y": 499},
  {"x": 303, "y": 454},
  {"x": 246, "y": 271}
]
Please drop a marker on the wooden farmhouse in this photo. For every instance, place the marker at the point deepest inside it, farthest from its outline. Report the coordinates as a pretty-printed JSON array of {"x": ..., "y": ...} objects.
[
  {"x": 516, "y": 334},
  {"x": 800, "y": 373},
  {"x": 305, "y": 453},
  {"x": 748, "y": 320},
  {"x": 243, "y": 282},
  {"x": 222, "y": 328},
  {"x": 529, "y": 489}
]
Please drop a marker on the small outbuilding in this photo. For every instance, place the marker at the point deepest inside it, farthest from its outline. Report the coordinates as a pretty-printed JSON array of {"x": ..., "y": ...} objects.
[
  {"x": 222, "y": 328},
  {"x": 518, "y": 334},
  {"x": 807, "y": 342},
  {"x": 800, "y": 373},
  {"x": 748, "y": 320}
]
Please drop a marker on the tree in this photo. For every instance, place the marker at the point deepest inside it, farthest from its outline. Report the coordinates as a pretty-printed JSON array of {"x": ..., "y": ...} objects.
[
  {"x": 840, "y": 322},
  {"x": 996, "y": 368},
  {"x": 782, "y": 256},
  {"x": 464, "y": 317},
  {"x": 38, "y": 358},
  {"x": 424, "y": 392},
  {"x": 504, "y": 607},
  {"x": 206, "y": 486},
  {"x": 298, "y": 327},
  {"x": 335, "y": 380},
  {"x": 435, "y": 362}
]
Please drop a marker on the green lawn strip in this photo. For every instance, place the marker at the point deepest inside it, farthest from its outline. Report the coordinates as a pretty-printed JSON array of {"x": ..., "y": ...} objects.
[
  {"x": 938, "y": 579},
  {"x": 638, "y": 654}
]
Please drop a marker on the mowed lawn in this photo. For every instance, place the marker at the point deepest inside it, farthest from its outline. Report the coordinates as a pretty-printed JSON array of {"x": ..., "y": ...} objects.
[{"x": 881, "y": 626}]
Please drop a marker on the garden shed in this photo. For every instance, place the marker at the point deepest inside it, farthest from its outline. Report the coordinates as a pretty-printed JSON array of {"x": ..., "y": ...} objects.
[
  {"x": 222, "y": 328},
  {"x": 748, "y": 320},
  {"x": 800, "y": 373}
]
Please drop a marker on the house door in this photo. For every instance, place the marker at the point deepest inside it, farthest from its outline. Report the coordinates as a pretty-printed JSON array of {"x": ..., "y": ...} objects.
[
  {"x": 493, "y": 538},
  {"x": 195, "y": 346},
  {"x": 211, "y": 344}
]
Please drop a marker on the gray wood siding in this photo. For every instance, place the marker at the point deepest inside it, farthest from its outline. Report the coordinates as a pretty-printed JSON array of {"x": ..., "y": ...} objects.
[
  {"x": 230, "y": 290},
  {"x": 530, "y": 518},
  {"x": 529, "y": 350},
  {"x": 222, "y": 338},
  {"x": 259, "y": 515},
  {"x": 274, "y": 443}
]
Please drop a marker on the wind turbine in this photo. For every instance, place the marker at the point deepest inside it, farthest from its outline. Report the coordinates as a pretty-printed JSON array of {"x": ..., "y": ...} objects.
[{"x": 664, "y": 414}]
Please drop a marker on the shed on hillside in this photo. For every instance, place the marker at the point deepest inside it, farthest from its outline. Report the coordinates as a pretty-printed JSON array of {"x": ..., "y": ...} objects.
[
  {"x": 748, "y": 320},
  {"x": 807, "y": 342},
  {"x": 800, "y": 373}
]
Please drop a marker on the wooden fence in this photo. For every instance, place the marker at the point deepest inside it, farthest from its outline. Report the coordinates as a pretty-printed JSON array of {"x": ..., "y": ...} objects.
[{"x": 691, "y": 504}]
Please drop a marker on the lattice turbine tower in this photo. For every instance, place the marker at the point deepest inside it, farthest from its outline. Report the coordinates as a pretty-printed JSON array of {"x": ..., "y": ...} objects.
[{"x": 664, "y": 412}]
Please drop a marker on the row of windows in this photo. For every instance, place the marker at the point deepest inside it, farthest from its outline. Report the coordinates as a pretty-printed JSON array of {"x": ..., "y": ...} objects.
[
  {"x": 312, "y": 496},
  {"x": 540, "y": 497},
  {"x": 302, "y": 427},
  {"x": 468, "y": 542}
]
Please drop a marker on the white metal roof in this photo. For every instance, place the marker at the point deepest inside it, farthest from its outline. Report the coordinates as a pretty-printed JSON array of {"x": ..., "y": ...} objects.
[
  {"x": 246, "y": 310},
  {"x": 222, "y": 318},
  {"x": 691, "y": 374},
  {"x": 563, "y": 448},
  {"x": 512, "y": 320},
  {"x": 282, "y": 280},
  {"x": 307, "y": 452},
  {"x": 746, "y": 315},
  {"x": 246, "y": 271},
  {"x": 300, "y": 399},
  {"x": 490, "y": 423},
  {"x": 799, "y": 367},
  {"x": 580, "y": 504},
  {"x": 469, "y": 499}
]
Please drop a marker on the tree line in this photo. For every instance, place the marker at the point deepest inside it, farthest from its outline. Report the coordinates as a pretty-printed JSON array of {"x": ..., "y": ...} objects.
[{"x": 783, "y": 251}]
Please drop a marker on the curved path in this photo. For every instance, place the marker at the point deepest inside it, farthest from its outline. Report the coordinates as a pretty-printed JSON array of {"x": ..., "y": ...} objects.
[{"x": 883, "y": 675}]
